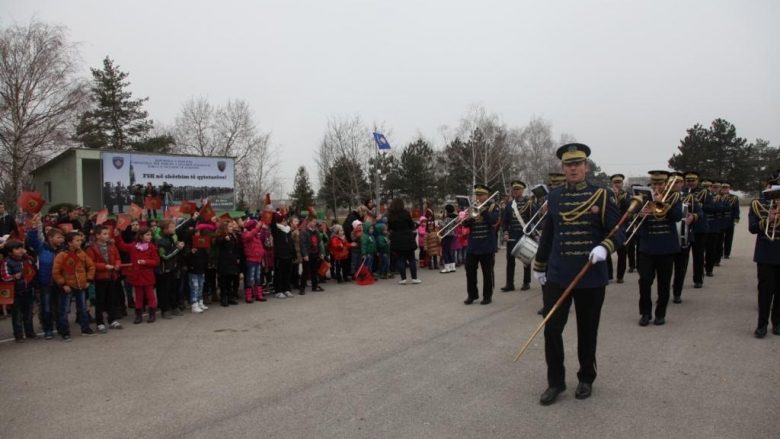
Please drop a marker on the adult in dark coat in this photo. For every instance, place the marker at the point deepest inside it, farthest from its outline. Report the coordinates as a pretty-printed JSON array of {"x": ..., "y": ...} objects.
[
  {"x": 283, "y": 253},
  {"x": 402, "y": 239},
  {"x": 7, "y": 222}
]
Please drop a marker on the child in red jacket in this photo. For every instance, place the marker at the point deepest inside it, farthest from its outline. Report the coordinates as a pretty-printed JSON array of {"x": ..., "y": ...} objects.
[
  {"x": 339, "y": 251},
  {"x": 143, "y": 259},
  {"x": 108, "y": 294},
  {"x": 254, "y": 252}
]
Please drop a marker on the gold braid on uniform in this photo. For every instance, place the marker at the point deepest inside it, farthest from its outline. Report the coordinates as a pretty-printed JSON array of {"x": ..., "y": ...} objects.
[
  {"x": 673, "y": 199},
  {"x": 526, "y": 206},
  {"x": 582, "y": 209},
  {"x": 761, "y": 212},
  {"x": 689, "y": 200}
]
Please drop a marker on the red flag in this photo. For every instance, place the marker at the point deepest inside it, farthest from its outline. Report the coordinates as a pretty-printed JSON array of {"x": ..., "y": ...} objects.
[
  {"x": 102, "y": 216},
  {"x": 201, "y": 241},
  {"x": 6, "y": 293},
  {"x": 324, "y": 268},
  {"x": 207, "y": 212},
  {"x": 30, "y": 202},
  {"x": 266, "y": 217},
  {"x": 152, "y": 203},
  {"x": 363, "y": 275},
  {"x": 188, "y": 207},
  {"x": 28, "y": 271},
  {"x": 123, "y": 220},
  {"x": 173, "y": 212},
  {"x": 136, "y": 211}
]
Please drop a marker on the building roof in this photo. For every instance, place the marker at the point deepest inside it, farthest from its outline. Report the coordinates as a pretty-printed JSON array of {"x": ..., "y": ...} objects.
[{"x": 70, "y": 151}]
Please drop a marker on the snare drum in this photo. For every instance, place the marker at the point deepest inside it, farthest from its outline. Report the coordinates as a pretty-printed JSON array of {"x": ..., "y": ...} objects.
[{"x": 525, "y": 249}]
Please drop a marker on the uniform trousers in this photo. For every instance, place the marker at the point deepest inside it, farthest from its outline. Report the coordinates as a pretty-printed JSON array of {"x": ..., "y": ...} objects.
[
  {"x": 622, "y": 255},
  {"x": 631, "y": 252},
  {"x": 486, "y": 261},
  {"x": 587, "y": 305},
  {"x": 728, "y": 238},
  {"x": 768, "y": 297},
  {"x": 510, "y": 267},
  {"x": 680, "y": 270},
  {"x": 711, "y": 251},
  {"x": 697, "y": 249},
  {"x": 651, "y": 266}
]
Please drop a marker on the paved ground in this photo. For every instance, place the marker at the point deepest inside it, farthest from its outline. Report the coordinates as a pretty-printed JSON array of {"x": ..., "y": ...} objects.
[{"x": 396, "y": 362}]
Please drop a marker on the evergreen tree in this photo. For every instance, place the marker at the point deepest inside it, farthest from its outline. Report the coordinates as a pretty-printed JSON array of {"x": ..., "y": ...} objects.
[
  {"x": 116, "y": 121},
  {"x": 418, "y": 180},
  {"x": 302, "y": 196},
  {"x": 716, "y": 152},
  {"x": 457, "y": 180}
]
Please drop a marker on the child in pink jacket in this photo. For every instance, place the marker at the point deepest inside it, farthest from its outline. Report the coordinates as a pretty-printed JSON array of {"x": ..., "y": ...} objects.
[{"x": 254, "y": 254}]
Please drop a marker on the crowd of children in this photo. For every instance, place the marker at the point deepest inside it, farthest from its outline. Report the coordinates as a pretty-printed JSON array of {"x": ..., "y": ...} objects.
[{"x": 170, "y": 265}]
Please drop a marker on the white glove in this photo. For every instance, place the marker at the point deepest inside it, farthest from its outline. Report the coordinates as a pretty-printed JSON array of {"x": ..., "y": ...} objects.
[
  {"x": 541, "y": 277},
  {"x": 598, "y": 254}
]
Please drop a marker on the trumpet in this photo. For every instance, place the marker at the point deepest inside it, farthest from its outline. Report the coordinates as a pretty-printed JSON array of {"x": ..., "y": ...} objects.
[
  {"x": 659, "y": 207},
  {"x": 474, "y": 213}
]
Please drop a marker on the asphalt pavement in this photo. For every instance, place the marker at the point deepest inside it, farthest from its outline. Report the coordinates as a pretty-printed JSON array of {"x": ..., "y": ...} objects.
[{"x": 412, "y": 361}]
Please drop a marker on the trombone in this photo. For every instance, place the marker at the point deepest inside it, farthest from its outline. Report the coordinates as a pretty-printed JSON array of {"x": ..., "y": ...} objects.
[
  {"x": 660, "y": 206},
  {"x": 532, "y": 226},
  {"x": 772, "y": 194},
  {"x": 474, "y": 212}
]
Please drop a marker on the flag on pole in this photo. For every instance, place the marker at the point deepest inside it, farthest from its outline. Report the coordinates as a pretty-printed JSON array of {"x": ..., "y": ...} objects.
[{"x": 381, "y": 142}]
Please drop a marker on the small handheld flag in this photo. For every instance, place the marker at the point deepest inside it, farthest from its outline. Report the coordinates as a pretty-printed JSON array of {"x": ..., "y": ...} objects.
[{"x": 381, "y": 142}]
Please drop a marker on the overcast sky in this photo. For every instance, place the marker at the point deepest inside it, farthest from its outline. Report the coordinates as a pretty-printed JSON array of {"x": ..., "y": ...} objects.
[{"x": 625, "y": 77}]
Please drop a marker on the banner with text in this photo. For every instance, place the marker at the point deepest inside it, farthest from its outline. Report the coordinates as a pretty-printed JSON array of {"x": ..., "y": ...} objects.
[{"x": 167, "y": 180}]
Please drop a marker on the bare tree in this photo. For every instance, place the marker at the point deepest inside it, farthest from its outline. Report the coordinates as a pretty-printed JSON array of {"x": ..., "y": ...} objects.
[
  {"x": 40, "y": 96},
  {"x": 491, "y": 153},
  {"x": 229, "y": 130},
  {"x": 537, "y": 151},
  {"x": 348, "y": 143}
]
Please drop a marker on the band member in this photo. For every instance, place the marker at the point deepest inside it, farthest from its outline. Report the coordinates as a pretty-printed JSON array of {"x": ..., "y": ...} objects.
[
  {"x": 731, "y": 217},
  {"x": 690, "y": 221},
  {"x": 658, "y": 244},
  {"x": 713, "y": 214},
  {"x": 581, "y": 216},
  {"x": 482, "y": 247},
  {"x": 623, "y": 200},
  {"x": 513, "y": 231},
  {"x": 762, "y": 222},
  {"x": 632, "y": 245},
  {"x": 555, "y": 180},
  {"x": 700, "y": 227}
]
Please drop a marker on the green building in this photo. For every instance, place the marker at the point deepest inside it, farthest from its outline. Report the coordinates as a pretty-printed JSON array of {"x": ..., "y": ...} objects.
[{"x": 74, "y": 177}]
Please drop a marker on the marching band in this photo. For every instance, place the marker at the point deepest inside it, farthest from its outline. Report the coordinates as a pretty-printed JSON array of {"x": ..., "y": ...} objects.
[{"x": 564, "y": 234}]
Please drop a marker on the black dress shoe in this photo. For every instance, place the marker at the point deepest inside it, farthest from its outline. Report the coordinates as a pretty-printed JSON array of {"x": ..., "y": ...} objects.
[
  {"x": 677, "y": 299},
  {"x": 485, "y": 302},
  {"x": 760, "y": 332},
  {"x": 583, "y": 391},
  {"x": 620, "y": 280},
  {"x": 550, "y": 395},
  {"x": 644, "y": 321},
  {"x": 698, "y": 285},
  {"x": 525, "y": 287},
  {"x": 508, "y": 288},
  {"x": 469, "y": 301},
  {"x": 776, "y": 330},
  {"x": 725, "y": 256},
  {"x": 708, "y": 274},
  {"x": 541, "y": 311},
  {"x": 659, "y": 321}
]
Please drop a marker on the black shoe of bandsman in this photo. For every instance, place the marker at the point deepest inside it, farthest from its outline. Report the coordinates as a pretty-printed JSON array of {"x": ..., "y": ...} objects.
[
  {"x": 525, "y": 287},
  {"x": 760, "y": 332},
  {"x": 776, "y": 329},
  {"x": 698, "y": 285},
  {"x": 583, "y": 391},
  {"x": 620, "y": 280},
  {"x": 485, "y": 302},
  {"x": 469, "y": 301},
  {"x": 550, "y": 395},
  {"x": 677, "y": 299},
  {"x": 659, "y": 321},
  {"x": 508, "y": 288},
  {"x": 644, "y": 321}
]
